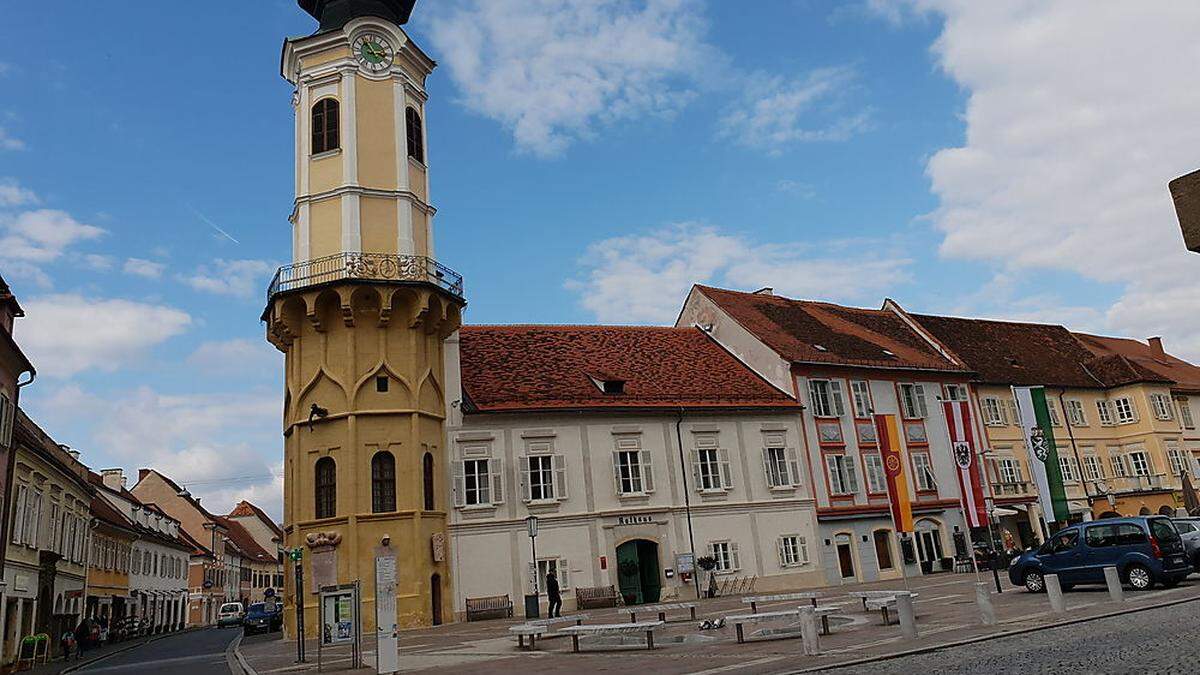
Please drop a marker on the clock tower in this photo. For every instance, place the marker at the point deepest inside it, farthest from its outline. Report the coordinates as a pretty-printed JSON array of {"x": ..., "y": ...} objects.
[{"x": 361, "y": 315}]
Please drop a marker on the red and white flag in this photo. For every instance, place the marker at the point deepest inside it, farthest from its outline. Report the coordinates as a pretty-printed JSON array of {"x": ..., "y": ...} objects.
[{"x": 962, "y": 445}]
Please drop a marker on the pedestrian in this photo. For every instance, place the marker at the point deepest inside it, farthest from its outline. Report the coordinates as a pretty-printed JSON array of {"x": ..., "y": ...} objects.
[
  {"x": 67, "y": 643},
  {"x": 83, "y": 634},
  {"x": 552, "y": 593}
]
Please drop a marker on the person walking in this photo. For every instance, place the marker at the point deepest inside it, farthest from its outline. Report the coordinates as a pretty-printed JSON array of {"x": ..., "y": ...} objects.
[
  {"x": 83, "y": 635},
  {"x": 552, "y": 594}
]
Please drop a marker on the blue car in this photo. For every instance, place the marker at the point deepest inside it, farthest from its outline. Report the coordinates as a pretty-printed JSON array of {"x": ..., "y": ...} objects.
[
  {"x": 262, "y": 618},
  {"x": 1145, "y": 550}
]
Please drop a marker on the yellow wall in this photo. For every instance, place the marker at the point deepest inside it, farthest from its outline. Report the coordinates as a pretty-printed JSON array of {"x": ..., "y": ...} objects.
[
  {"x": 378, "y": 225},
  {"x": 375, "y": 104}
]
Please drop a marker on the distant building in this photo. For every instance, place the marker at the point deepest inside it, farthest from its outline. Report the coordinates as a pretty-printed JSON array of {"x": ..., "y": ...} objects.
[
  {"x": 15, "y": 372},
  {"x": 269, "y": 536}
]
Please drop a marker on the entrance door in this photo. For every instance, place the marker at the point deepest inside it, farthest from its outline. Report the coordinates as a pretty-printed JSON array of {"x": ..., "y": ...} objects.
[
  {"x": 845, "y": 556},
  {"x": 638, "y": 571},
  {"x": 435, "y": 594}
]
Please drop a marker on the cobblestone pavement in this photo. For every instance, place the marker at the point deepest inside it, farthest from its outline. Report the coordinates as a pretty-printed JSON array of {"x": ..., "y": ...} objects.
[
  {"x": 1154, "y": 641},
  {"x": 946, "y": 613}
]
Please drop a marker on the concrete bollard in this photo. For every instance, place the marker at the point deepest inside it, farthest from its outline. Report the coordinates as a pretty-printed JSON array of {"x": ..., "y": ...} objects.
[
  {"x": 908, "y": 615},
  {"x": 983, "y": 597},
  {"x": 808, "y": 631},
  {"x": 1116, "y": 591},
  {"x": 1054, "y": 592}
]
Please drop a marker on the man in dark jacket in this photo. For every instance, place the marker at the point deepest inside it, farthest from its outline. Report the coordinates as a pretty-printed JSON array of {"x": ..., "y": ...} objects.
[{"x": 552, "y": 593}]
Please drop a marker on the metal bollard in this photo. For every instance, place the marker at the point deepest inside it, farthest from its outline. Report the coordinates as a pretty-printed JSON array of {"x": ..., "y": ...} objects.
[
  {"x": 983, "y": 597},
  {"x": 1116, "y": 592},
  {"x": 908, "y": 615},
  {"x": 808, "y": 631},
  {"x": 1054, "y": 592}
]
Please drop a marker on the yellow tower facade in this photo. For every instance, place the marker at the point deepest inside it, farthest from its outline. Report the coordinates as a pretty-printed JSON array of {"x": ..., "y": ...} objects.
[{"x": 361, "y": 315}]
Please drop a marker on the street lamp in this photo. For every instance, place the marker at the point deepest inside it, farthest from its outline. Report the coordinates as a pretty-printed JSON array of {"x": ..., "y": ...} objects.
[{"x": 531, "y": 600}]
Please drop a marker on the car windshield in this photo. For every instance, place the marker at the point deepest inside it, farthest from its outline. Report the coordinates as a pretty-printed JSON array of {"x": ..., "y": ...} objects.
[
  {"x": 1163, "y": 530},
  {"x": 231, "y": 607},
  {"x": 257, "y": 607}
]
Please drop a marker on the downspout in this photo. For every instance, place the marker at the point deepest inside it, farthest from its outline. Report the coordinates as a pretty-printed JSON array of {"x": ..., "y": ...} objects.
[
  {"x": 1062, "y": 405},
  {"x": 687, "y": 501}
]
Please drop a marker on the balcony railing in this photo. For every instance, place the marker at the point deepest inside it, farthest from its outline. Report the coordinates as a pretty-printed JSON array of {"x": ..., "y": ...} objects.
[
  {"x": 1014, "y": 489},
  {"x": 365, "y": 266},
  {"x": 1155, "y": 481}
]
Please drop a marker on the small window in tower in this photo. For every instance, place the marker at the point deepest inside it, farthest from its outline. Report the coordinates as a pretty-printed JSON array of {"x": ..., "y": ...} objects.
[
  {"x": 381, "y": 384},
  {"x": 416, "y": 138},
  {"x": 325, "y": 126}
]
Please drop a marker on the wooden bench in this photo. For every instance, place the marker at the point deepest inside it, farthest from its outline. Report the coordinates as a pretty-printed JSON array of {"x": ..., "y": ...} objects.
[
  {"x": 756, "y": 600},
  {"x": 498, "y": 605},
  {"x": 647, "y": 627},
  {"x": 598, "y": 597},
  {"x": 528, "y": 630},
  {"x": 883, "y": 604},
  {"x": 661, "y": 610},
  {"x": 739, "y": 619}
]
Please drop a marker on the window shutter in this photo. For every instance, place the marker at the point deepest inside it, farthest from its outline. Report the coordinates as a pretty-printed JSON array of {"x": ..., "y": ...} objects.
[
  {"x": 460, "y": 497},
  {"x": 497, "y": 486},
  {"x": 735, "y": 561},
  {"x": 793, "y": 464},
  {"x": 726, "y": 472},
  {"x": 919, "y": 394},
  {"x": 766, "y": 455},
  {"x": 616, "y": 456},
  {"x": 524, "y": 474},
  {"x": 564, "y": 574},
  {"x": 835, "y": 398},
  {"x": 19, "y": 518},
  {"x": 560, "y": 477},
  {"x": 835, "y": 477},
  {"x": 647, "y": 471},
  {"x": 851, "y": 475},
  {"x": 780, "y": 549},
  {"x": 814, "y": 397},
  {"x": 697, "y": 473},
  {"x": 803, "y": 544}
]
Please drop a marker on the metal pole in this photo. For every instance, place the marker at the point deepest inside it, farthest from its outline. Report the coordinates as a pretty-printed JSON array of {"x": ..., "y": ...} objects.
[
  {"x": 687, "y": 502},
  {"x": 533, "y": 546},
  {"x": 299, "y": 612}
]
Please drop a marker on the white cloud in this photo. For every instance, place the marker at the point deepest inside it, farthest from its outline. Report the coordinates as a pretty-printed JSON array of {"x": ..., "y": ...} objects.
[
  {"x": 642, "y": 278},
  {"x": 12, "y": 194},
  {"x": 777, "y": 112},
  {"x": 98, "y": 262},
  {"x": 237, "y": 356},
  {"x": 1078, "y": 115},
  {"x": 552, "y": 71},
  {"x": 7, "y": 142},
  {"x": 69, "y": 334},
  {"x": 223, "y": 447},
  {"x": 42, "y": 235},
  {"x": 143, "y": 268},
  {"x": 239, "y": 278},
  {"x": 798, "y": 188}
]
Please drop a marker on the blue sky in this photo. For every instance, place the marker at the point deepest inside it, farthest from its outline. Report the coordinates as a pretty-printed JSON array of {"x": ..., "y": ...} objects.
[{"x": 1000, "y": 161}]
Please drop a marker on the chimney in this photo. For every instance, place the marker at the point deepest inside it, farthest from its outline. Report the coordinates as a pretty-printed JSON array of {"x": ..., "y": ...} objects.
[
  {"x": 114, "y": 479},
  {"x": 765, "y": 290},
  {"x": 142, "y": 474},
  {"x": 1156, "y": 346}
]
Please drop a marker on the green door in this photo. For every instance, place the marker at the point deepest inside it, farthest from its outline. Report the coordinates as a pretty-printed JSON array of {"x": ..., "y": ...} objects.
[{"x": 638, "y": 572}]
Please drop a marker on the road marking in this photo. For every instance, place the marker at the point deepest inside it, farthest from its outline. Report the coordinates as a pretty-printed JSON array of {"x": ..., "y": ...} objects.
[{"x": 739, "y": 666}]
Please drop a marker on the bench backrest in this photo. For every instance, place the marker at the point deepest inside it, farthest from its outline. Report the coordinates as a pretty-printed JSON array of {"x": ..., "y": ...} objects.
[{"x": 489, "y": 602}]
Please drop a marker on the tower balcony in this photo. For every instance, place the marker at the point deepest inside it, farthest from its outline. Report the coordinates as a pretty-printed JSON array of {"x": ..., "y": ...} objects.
[{"x": 377, "y": 267}]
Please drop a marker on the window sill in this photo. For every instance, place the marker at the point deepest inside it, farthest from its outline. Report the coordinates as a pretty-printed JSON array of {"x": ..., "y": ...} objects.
[
  {"x": 787, "y": 489},
  {"x": 328, "y": 153},
  {"x": 543, "y": 505},
  {"x": 634, "y": 497}
]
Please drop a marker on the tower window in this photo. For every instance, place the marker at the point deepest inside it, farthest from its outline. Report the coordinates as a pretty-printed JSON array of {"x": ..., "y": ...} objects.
[
  {"x": 427, "y": 474},
  {"x": 325, "y": 126},
  {"x": 326, "y": 492},
  {"x": 383, "y": 482},
  {"x": 416, "y": 139},
  {"x": 381, "y": 384}
]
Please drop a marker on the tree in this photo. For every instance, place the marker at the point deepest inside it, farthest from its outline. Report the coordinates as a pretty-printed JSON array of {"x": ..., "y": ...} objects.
[{"x": 708, "y": 563}]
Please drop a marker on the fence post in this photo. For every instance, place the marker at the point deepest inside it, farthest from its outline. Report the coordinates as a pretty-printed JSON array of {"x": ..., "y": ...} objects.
[
  {"x": 983, "y": 597},
  {"x": 908, "y": 615},
  {"x": 808, "y": 631},
  {"x": 1115, "y": 591},
  {"x": 1054, "y": 592}
]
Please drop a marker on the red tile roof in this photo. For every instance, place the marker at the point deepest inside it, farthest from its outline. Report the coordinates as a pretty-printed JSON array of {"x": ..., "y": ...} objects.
[
  {"x": 244, "y": 541},
  {"x": 803, "y": 331},
  {"x": 1146, "y": 358},
  {"x": 513, "y": 368},
  {"x": 245, "y": 508}
]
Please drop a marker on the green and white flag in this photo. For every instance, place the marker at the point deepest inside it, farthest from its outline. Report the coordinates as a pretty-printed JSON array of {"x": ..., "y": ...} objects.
[{"x": 1043, "y": 456}]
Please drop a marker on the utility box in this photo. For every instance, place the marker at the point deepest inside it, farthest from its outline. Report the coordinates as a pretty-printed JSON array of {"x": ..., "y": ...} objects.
[{"x": 1185, "y": 191}]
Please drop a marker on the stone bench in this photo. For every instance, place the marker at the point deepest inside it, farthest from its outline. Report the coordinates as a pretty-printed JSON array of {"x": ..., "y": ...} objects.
[
  {"x": 528, "y": 630},
  {"x": 883, "y": 604},
  {"x": 498, "y": 605},
  {"x": 738, "y": 620},
  {"x": 661, "y": 610},
  {"x": 756, "y": 600},
  {"x": 824, "y": 612},
  {"x": 866, "y": 595},
  {"x": 550, "y": 621},
  {"x": 599, "y": 630}
]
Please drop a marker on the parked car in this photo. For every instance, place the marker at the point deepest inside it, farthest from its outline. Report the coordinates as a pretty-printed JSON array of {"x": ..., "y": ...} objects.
[
  {"x": 1189, "y": 529},
  {"x": 230, "y": 614},
  {"x": 261, "y": 618},
  {"x": 1145, "y": 550}
]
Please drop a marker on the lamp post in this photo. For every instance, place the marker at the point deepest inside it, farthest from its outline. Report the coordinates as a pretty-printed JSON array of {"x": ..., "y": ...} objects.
[{"x": 531, "y": 600}]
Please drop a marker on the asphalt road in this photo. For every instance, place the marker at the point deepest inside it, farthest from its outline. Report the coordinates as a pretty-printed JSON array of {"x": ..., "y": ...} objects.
[
  {"x": 1154, "y": 641},
  {"x": 199, "y": 652}
]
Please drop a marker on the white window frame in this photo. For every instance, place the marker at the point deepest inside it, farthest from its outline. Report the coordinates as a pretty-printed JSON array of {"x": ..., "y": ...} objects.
[
  {"x": 793, "y": 550},
  {"x": 725, "y": 552},
  {"x": 1069, "y": 469},
  {"x": 993, "y": 411},
  {"x": 561, "y": 569},
  {"x": 825, "y": 398},
  {"x": 633, "y": 472},
  {"x": 912, "y": 401},
  {"x": 480, "y": 495},
  {"x": 6, "y": 419},
  {"x": 1161, "y": 405},
  {"x": 1052, "y": 408},
  {"x": 1175, "y": 458},
  {"x": 1126, "y": 410},
  {"x": 1104, "y": 408},
  {"x": 860, "y": 393},
  {"x": 781, "y": 467},
  {"x": 923, "y": 474},
  {"x": 1142, "y": 468},
  {"x": 1093, "y": 468},
  {"x": 874, "y": 473},
  {"x": 1009, "y": 470},
  {"x": 956, "y": 392},
  {"x": 1185, "y": 413},
  {"x": 1075, "y": 413},
  {"x": 843, "y": 478},
  {"x": 20, "y": 504},
  {"x": 547, "y": 481}
]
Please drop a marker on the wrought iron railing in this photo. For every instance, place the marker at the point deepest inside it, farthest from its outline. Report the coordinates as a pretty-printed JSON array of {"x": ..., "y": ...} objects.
[{"x": 366, "y": 266}]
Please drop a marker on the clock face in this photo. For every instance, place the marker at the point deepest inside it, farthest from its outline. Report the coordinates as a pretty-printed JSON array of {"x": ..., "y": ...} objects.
[{"x": 373, "y": 52}]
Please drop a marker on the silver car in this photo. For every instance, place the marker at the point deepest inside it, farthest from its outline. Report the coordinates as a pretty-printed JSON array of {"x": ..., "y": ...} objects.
[{"x": 1189, "y": 529}]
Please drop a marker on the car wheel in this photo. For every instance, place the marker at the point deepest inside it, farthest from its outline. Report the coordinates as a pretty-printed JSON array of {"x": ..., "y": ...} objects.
[
  {"x": 1034, "y": 583},
  {"x": 1139, "y": 578}
]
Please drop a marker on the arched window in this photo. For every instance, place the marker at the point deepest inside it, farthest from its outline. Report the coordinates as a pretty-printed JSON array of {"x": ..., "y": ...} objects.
[
  {"x": 427, "y": 470},
  {"x": 416, "y": 139},
  {"x": 325, "y": 126},
  {"x": 383, "y": 482},
  {"x": 326, "y": 491}
]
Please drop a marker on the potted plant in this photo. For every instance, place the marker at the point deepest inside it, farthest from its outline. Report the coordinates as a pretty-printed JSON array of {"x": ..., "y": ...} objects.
[{"x": 708, "y": 563}]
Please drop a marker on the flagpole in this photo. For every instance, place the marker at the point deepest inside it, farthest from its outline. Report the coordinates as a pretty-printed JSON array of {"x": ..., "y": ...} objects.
[{"x": 962, "y": 503}]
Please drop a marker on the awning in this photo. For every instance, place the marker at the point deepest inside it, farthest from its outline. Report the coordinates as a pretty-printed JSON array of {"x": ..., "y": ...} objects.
[{"x": 1001, "y": 511}]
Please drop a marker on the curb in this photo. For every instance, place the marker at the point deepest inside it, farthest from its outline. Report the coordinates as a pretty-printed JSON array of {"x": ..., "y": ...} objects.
[
  {"x": 983, "y": 638},
  {"x": 122, "y": 650},
  {"x": 234, "y": 659}
]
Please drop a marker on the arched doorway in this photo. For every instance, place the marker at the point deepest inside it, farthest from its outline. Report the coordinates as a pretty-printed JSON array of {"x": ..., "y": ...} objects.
[
  {"x": 435, "y": 595},
  {"x": 638, "y": 571},
  {"x": 929, "y": 544}
]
